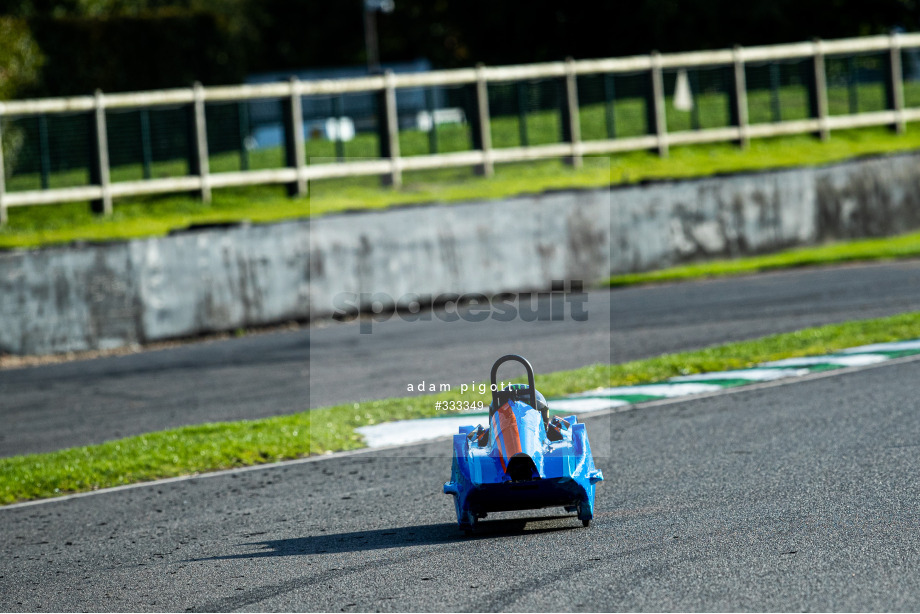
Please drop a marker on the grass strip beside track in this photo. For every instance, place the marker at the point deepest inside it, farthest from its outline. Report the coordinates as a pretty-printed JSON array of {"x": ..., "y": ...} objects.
[
  {"x": 224, "y": 445},
  {"x": 154, "y": 216},
  {"x": 863, "y": 250}
]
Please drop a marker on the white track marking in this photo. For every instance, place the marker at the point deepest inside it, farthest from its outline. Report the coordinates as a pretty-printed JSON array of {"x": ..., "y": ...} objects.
[
  {"x": 894, "y": 346},
  {"x": 856, "y": 360},
  {"x": 586, "y": 404},
  {"x": 404, "y": 432},
  {"x": 411, "y": 431},
  {"x": 664, "y": 389},
  {"x": 753, "y": 375}
]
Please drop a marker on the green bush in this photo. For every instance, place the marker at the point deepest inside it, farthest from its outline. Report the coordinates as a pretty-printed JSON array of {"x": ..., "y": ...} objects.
[
  {"x": 20, "y": 61},
  {"x": 20, "y": 57},
  {"x": 169, "y": 47}
]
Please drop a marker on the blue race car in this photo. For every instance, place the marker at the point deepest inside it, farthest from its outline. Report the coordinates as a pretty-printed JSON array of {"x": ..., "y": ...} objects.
[{"x": 524, "y": 460}]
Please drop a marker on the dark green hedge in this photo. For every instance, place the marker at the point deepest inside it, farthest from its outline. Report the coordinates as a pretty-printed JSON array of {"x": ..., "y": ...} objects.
[
  {"x": 141, "y": 44},
  {"x": 127, "y": 53}
]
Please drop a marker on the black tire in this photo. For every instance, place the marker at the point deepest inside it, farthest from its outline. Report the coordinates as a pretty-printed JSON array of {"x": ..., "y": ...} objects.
[{"x": 585, "y": 522}]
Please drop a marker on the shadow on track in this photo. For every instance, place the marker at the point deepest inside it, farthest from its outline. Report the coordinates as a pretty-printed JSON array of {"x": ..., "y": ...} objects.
[{"x": 399, "y": 537}]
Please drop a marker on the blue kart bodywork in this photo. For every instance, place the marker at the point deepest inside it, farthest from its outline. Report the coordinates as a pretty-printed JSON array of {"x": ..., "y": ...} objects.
[{"x": 522, "y": 461}]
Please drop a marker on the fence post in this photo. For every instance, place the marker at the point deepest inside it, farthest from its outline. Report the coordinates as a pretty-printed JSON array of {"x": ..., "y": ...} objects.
[
  {"x": 198, "y": 153},
  {"x": 338, "y": 109},
  {"x": 294, "y": 147},
  {"x": 610, "y": 109},
  {"x": 852, "y": 86},
  {"x": 819, "y": 90},
  {"x": 520, "y": 90},
  {"x": 146, "y": 145},
  {"x": 894, "y": 89},
  {"x": 44, "y": 151},
  {"x": 775, "y": 109},
  {"x": 390, "y": 135},
  {"x": 483, "y": 122},
  {"x": 655, "y": 108},
  {"x": 571, "y": 128},
  {"x": 99, "y": 164},
  {"x": 740, "y": 110},
  {"x": 242, "y": 115},
  {"x": 3, "y": 217},
  {"x": 431, "y": 109},
  {"x": 693, "y": 80}
]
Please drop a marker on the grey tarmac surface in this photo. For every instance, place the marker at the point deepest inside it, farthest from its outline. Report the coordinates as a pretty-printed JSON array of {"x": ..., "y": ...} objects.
[
  {"x": 77, "y": 403},
  {"x": 796, "y": 497}
]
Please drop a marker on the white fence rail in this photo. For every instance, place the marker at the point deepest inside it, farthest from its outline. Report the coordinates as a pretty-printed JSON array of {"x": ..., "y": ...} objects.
[{"x": 297, "y": 174}]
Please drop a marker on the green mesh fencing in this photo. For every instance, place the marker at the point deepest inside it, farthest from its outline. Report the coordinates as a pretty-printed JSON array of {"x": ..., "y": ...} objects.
[
  {"x": 526, "y": 113},
  {"x": 910, "y": 73},
  {"x": 699, "y": 98},
  {"x": 857, "y": 83},
  {"x": 436, "y": 119},
  {"x": 47, "y": 151},
  {"x": 779, "y": 91},
  {"x": 58, "y": 150},
  {"x": 613, "y": 105}
]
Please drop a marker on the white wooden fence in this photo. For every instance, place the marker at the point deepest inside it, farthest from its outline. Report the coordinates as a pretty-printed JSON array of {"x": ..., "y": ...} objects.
[{"x": 298, "y": 173}]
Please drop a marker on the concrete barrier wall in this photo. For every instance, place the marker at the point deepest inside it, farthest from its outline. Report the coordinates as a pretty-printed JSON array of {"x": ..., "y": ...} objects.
[
  {"x": 669, "y": 223},
  {"x": 104, "y": 296}
]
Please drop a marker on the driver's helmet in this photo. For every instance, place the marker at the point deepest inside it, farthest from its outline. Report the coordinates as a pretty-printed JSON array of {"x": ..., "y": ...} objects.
[{"x": 522, "y": 394}]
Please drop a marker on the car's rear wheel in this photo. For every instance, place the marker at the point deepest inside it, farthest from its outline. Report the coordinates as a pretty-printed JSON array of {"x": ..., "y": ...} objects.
[
  {"x": 584, "y": 516},
  {"x": 468, "y": 524}
]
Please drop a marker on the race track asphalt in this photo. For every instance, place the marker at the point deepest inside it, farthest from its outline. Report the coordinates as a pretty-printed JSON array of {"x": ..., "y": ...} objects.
[
  {"x": 793, "y": 497},
  {"x": 89, "y": 401}
]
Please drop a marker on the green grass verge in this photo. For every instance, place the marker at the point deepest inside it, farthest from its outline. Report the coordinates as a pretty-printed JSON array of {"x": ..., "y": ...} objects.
[
  {"x": 865, "y": 250},
  {"x": 225, "y": 445},
  {"x": 154, "y": 216}
]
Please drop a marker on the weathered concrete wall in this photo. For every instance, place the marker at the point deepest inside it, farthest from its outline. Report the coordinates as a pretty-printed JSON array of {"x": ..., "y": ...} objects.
[
  {"x": 76, "y": 298},
  {"x": 668, "y": 223},
  {"x": 487, "y": 247}
]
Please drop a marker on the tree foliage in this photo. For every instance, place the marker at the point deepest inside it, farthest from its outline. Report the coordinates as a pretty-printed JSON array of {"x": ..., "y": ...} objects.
[
  {"x": 137, "y": 44},
  {"x": 20, "y": 57},
  {"x": 20, "y": 61}
]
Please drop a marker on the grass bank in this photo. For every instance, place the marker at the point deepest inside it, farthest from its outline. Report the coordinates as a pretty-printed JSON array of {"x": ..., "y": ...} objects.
[
  {"x": 864, "y": 250},
  {"x": 211, "y": 447},
  {"x": 154, "y": 216}
]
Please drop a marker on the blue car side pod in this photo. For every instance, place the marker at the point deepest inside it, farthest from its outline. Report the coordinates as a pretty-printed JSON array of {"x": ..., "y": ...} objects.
[{"x": 523, "y": 460}]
